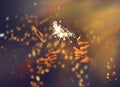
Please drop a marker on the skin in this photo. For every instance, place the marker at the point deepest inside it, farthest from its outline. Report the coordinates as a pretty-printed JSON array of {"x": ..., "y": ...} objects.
[
  {"x": 81, "y": 52},
  {"x": 50, "y": 59},
  {"x": 52, "y": 56},
  {"x": 38, "y": 34}
]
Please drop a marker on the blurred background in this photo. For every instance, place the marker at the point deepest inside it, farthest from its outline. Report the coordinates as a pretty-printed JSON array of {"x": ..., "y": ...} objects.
[{"x": 97, "y": 21}]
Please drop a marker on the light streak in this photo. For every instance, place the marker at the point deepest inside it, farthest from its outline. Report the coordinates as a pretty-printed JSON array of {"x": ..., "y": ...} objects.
[{"x": 62, "y": 33}]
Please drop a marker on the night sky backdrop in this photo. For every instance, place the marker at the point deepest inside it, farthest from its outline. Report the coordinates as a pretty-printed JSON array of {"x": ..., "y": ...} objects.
[{"x": 97, "y": 21}]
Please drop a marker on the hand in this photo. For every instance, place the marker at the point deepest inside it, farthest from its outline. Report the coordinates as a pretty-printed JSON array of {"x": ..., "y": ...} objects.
[
  {"x": 80, "y": 54},
  {"x": 50, "y": 59},
  {"x": 38, "y": 34}
]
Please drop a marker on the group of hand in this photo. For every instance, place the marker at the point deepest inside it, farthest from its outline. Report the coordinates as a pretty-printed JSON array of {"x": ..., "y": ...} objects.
[{"x": 80, "y": 54}]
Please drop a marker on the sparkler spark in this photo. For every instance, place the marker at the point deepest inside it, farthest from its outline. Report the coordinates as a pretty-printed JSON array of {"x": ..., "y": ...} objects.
[{"x": 60, "y": 32}]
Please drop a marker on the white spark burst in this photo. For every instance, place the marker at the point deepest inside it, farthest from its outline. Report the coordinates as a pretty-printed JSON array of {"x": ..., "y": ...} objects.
[{"x": 62, "y": 33}]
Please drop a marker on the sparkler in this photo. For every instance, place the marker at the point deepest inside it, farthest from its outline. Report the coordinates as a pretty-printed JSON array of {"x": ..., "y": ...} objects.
[{"x": 62, "y": 33}]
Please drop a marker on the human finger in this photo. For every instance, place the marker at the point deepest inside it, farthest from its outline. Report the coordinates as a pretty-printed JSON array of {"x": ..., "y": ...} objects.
[
  {"x": 84, "y": 47},
  {"x": 85, "y": 60}
]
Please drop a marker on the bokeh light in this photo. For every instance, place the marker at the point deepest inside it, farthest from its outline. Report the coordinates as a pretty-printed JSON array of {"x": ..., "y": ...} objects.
[{"x": 26, "y": 43}]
